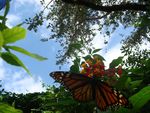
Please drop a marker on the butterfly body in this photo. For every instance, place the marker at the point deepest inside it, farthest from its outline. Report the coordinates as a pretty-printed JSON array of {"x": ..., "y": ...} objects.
[{"x": 86, "y": 89}]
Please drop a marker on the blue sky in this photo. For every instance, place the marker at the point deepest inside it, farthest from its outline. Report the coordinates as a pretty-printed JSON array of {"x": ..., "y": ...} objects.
[{"x": 16, "y": 79}]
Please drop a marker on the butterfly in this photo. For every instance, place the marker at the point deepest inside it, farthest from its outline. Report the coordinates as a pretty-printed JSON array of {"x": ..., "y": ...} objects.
[{"x": 85, "y": 89}]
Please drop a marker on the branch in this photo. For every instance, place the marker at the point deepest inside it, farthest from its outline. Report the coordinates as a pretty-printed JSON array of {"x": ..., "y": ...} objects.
[
  {"x": 98, "y": 17},
  {"x": 121, "y": 7}
]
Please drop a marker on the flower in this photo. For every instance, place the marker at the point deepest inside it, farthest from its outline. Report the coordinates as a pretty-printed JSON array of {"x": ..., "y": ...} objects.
[
  {"x": 119, "y": 71},
  {"x": 95, "y": 67},
  {"x": 110, "y": 72},
  {"x": 84, "y": 65}
]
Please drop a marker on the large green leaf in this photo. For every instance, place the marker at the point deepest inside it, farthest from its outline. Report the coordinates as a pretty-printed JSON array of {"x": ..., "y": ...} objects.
[
  {"x": 13, "y": 60},
  {"x": 115, "y": 62},
  {"x": 140, "y": 99},
  {"x": 96, "y": 50},
  {"x": 13, "y": 35},
  {"x": 5, "y": 108},
  {"x": 99, "y": 57},
  {"x": 87, "y": 57},
  {"x": 21, "y": 50},
  {"x": 1, "y": 39}
]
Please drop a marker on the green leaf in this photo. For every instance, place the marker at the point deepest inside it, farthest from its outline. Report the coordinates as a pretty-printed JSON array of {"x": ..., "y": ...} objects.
[
  {"x": 2, "y": 26},
  {"x": 76, "y": 45},
  {"x": 19, "y": 25},
  {"x": 123, "y": 110},
  {"x": 135, "y": 84},
  {"x": 140, "y": 99},
  {"x": 21, "y": 50},
  {"x": 6, "y": 11},
  {"x": 96, "y": 50},
  {"x": 13, "y": 35},
  {"x": 123, "y": 82},
  {"x": 99, "y": 57},
  {"x": 5, "y": 108},
  {"x": 77, "y": 60},
  {"x": 1, "y": 17},
  {"x": 115, "y": 62},
  {"x": 1, "y": 40},
  {"x": 75, "y": 67},
  {"x": 13, "y": 60},
  {"x": 145, "y": 21},
  {"x": 87, "y": 57}
]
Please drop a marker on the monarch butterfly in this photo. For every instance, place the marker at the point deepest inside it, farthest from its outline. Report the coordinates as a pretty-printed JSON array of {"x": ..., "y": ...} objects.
[{"x": 86, "y": 89}]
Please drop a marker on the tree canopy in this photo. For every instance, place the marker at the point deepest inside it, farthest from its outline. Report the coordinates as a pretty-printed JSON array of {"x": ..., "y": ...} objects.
[{"x": 72, "y": 22}]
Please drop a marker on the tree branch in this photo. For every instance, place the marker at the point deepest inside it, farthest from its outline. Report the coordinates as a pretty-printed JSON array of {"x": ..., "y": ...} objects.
[
  {"x": 121, "y": 7},
  {"x": 98, "y": 17}
]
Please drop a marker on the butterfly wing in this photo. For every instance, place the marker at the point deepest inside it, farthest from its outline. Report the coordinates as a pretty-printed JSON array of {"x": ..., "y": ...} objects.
[
  {"x": 85, "y": 89},
  {"x": 79, "y": 85},
  {"x": 106, "y": 96}
]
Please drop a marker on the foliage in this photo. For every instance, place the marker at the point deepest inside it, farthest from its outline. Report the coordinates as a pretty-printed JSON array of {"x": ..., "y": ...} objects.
[
  {"x": 136, "y": 56},
  {"x": 132, "y": 82},
  {"x": 75, "y": 22},
  {"x": 140, "y": 98},
  {"x": 53, "y": 100},
  {"x": 5, "y": 108},
  {"x": 12, "y": 35}
]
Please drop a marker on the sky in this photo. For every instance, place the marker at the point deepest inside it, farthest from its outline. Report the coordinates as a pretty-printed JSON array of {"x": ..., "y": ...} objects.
[{"x": 16, "y": 79}]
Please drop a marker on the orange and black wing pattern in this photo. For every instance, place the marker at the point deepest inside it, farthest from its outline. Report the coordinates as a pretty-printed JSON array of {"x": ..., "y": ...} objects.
[
  {"x": 78, "y": 84},
  {"x": 106, "y": 96},
  {"x": 85, "y": 89}
]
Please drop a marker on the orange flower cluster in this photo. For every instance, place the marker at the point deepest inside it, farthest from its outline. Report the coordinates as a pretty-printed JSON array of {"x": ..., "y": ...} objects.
[{"x": 95, "y": 67}]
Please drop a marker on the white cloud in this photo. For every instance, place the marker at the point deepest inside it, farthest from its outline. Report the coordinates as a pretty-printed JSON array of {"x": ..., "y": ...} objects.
[
  {"x": 2, "y": 70},
  {"x": 35, "y": 3},
  {"x": 12, "y": 19},
  {"x": 19, "y": 81},
  {"x": 27, "y": 2},
  {"x": 98, "y": 41},
  {"x": 113, "y": 53},
  {"x": 23, "y": 9}
]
